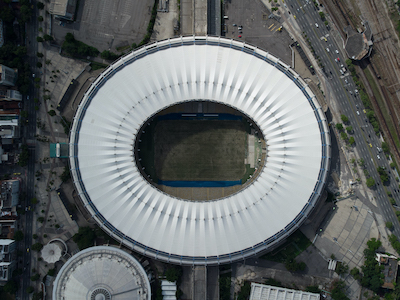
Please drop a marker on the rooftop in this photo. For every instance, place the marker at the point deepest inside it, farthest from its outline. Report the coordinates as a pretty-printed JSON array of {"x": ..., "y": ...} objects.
[{"x": 268, "y": 292}]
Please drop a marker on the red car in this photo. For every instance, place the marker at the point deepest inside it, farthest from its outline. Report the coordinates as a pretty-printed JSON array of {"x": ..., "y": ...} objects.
[{"x": 239, "y": 36}]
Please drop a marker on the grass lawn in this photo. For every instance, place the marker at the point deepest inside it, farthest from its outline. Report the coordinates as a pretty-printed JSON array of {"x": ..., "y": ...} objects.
[
  {"x": 294, "y": 245},
  {"x": 199, "y": 150}
]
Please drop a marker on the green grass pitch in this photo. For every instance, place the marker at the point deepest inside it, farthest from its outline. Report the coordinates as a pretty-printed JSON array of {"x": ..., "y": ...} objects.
[{"x": 200, "y": 150}]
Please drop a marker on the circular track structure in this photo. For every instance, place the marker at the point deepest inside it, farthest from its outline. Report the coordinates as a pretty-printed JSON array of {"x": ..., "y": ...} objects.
[
  {"x": 102, "y": 273},
  {"x": 157, "y": 76}
]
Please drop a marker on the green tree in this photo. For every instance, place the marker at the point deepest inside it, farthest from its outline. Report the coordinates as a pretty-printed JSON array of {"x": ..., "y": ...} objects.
[
  {"x": 40, "y": 19},
  {"x": 344, "y": 119},
  {"x": 322, "y": 15},
  {"x": 37, "y": 296},
  {"x": 52, "y": 112},
  {"x": 11, "y": 286},
  {"x": 361, "y": 161},
  {"x": 349, "y": 128},
  {"x": 370, "y": 182},
  {"x": 352, "y": 141},
  {"x": 24, "y": 114},
  {"x": 109, "y": 55},
  {"x": 244, "y": 292},
  {"x": 51, "y": 272},
  {"x": 30, "y": 289},
  {"x": 393, "y": 165},
  {"x": 84, "y": 238},
  {"x": 344, "y": 135},
  {"x": 39, "y": 39},
  {"x": 7, "y": 14},
  {"x": 47, "y": 37},
  {"x": 313, "y": 289},
  {"x": 39, "y": 5},
  {"x": 39, "y": 64},
  {"x": 40, "y": 219},
  {"x": 389, "y": 225},
  {"x": 25, "y": 13},
  {"x": 35, "y": 277},
  {"x": 385, "y": 147},
  {"x": 65, "y": 174},
  {"x": 383, "y": 175},
  {"x": 24, "y": 156},
  {"x": 173, "y": 274},
  {"x": 19, "y": 236},
  {"x": 39, "y": 54},
  {"x": 37, "y": 247},
  {"x": 34, "y": 201},
  {"x": 355, "y": 272},
  {"x": 342, "y": 268},
  {"x": 339, "y": 126},
  {"x": 338, "y": 290}
]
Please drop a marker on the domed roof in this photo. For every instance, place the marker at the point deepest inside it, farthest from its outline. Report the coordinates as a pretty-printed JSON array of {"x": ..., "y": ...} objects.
[{"x": 102, "y": 273}]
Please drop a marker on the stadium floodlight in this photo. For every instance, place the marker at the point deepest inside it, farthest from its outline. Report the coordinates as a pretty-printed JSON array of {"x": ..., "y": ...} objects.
[{"x": 159, "y": 75}]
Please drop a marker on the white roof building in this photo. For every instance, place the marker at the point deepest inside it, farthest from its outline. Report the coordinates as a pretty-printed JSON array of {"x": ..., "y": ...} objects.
[
  {"x": 157, "y": 76},
  {"x": 102, "y": 272},
  {"x": 268, "y": 292}
]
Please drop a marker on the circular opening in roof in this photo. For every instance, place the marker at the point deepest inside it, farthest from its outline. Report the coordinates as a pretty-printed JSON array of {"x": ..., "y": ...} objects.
[
  {"x": 100, "y": 294},
  {"x": 200, "y": 150}
]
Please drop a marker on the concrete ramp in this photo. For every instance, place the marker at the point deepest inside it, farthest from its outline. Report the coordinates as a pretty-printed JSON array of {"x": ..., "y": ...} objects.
[{"x": 199, "y": 283}]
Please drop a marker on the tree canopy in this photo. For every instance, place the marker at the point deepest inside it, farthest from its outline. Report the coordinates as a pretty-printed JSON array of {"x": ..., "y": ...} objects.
[{"x": 84, "y": 238}]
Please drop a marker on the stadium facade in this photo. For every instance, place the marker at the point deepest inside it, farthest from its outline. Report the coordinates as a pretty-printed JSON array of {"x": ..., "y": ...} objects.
[{"x": 157, "y": 76}]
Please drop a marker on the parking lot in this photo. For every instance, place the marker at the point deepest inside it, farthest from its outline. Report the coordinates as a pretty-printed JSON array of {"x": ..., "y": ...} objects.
[
  {"x": 257, "y": 28},
  {"x": 107, "y": 25}
]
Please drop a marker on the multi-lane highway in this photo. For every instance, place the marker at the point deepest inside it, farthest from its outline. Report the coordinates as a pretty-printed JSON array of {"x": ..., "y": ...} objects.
[
  {"x": 29, "y": 135},
  {"x": 348, "y": 102}
]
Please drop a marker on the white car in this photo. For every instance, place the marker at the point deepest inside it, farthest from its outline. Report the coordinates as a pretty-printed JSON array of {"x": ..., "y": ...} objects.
[
  {"x": 327, "y": 49},
  {"x": 358, "y": 113},
  {"x": 316, "y": 25},
  {"x": 378, "y": 156},
  {"x": 337, "y": 51}
]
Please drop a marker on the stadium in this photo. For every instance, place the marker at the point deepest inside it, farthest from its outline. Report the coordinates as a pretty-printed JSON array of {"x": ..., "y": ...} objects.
[{"x": 205, "y": 79}]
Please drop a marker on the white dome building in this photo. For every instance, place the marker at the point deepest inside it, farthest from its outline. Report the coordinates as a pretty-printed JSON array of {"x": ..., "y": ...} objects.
[
  {"x": 102, "y": 273},
  {"x": 157, "y": 76}
]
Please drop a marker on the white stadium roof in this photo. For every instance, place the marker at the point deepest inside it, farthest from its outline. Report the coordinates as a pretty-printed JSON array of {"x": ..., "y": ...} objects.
[
  {"x": 165, "y": 73},
  {"x": 102, "y": 272}
]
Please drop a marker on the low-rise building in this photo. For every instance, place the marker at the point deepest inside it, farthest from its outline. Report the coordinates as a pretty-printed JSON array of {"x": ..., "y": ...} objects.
[
  {"x": 268, "y": 292},
  {"x": 391, "y": 266},
  {"x": 63, "y": 9},
  {"x": 10, "y": 95}
]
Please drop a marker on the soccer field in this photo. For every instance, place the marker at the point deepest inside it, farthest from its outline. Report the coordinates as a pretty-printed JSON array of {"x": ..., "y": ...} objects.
[{"x": 204, "y": 150}]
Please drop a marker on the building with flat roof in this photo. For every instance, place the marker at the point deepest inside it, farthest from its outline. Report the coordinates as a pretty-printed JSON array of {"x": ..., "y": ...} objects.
[
  {"x": 8, "y": 76},
  {"x": 63, "y": 9},
  {"x": 10, "y": 95},
  {"x": 268, "y": 292},
  {"x": 391, "y": 265}
]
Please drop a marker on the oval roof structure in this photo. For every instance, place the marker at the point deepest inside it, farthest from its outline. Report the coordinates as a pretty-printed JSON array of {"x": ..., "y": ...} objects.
[
  {"x": 233, "y": 73},
  {"x": 102, "y": 272}
]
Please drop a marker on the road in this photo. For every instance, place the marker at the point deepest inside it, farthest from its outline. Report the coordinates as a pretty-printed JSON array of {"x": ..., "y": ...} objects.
[
  {"x": 349, "y": 103},
  {"x": 29, "y": 135}
]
